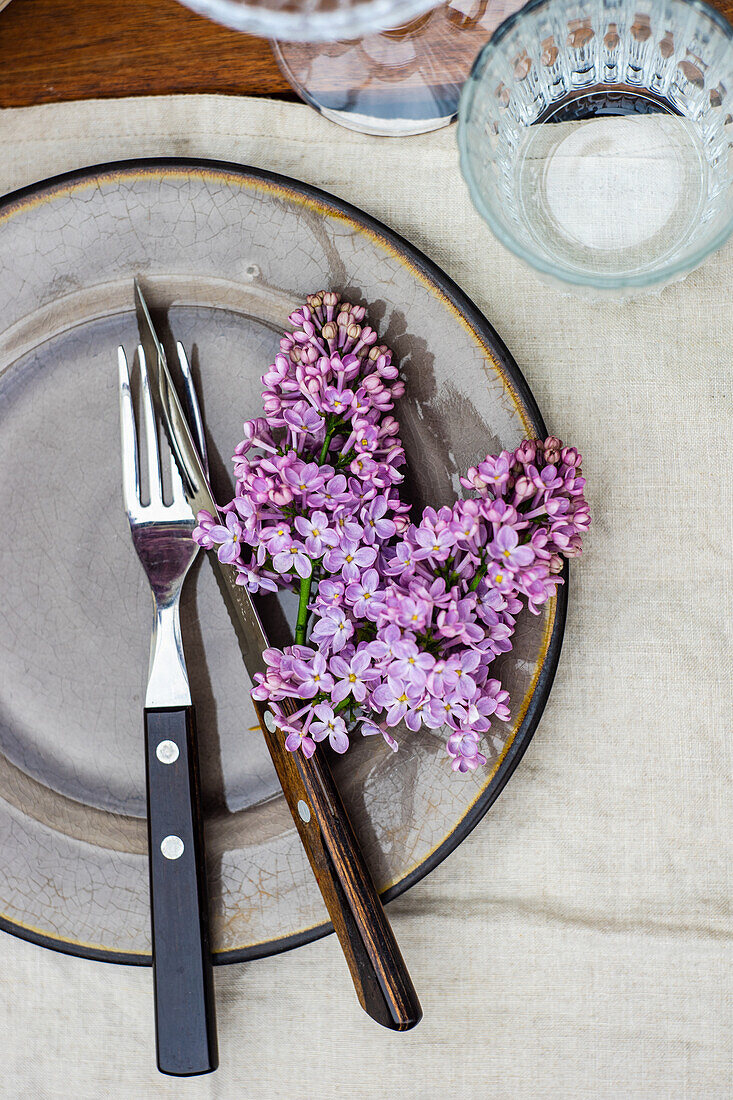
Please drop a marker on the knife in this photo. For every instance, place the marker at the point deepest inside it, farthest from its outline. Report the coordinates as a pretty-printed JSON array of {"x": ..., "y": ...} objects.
[{"x": 382, "y": 982}]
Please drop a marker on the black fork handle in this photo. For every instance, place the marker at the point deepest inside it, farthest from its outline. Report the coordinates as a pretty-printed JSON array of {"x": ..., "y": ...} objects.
[{"x": 185, "y": 1021}]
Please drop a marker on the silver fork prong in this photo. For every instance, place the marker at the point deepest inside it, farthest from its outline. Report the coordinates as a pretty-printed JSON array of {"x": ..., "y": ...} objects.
[
  {"x": 155, "y": 484},
  {"x": 130, "y": 468},
  {"x": 194, "y": 411},
  {"x": 178, "y": 493}
]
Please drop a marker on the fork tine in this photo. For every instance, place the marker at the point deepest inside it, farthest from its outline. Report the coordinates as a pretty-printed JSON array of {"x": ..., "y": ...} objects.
[
  {"x": 130, "y": 469},
  {"x": 194, "y": 412},
  {"x": 178, "y": 493},
  {"x": 155, "y": 485}
]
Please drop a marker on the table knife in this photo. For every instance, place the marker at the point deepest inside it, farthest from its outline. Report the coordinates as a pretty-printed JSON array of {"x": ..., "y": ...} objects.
[{"x": 379, "y": 973}]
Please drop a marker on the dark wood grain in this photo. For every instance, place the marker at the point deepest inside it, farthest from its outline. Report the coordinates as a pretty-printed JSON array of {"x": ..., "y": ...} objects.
[
  {"x": 378, "y": 971},
  {"x": 185, "y": 1020},
  {"x": 53, "y": 50}
]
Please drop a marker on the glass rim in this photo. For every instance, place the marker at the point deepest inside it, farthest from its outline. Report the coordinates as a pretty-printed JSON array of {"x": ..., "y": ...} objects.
[{"x": 659, "y": 276}]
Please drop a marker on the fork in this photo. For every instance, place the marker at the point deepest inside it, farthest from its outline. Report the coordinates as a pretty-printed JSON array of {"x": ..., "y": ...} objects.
[{"x": 186, "y": 1042}]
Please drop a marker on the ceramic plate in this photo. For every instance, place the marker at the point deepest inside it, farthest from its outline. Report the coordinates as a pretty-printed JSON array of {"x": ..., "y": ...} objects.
[{"x": 224, "y": 253}]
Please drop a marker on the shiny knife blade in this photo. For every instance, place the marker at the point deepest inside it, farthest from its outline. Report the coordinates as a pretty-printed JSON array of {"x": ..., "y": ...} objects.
[{"x": 196, "y": 485}]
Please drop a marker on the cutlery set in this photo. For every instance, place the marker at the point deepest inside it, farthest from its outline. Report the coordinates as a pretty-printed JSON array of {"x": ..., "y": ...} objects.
[{"x": 161, "y": 533}]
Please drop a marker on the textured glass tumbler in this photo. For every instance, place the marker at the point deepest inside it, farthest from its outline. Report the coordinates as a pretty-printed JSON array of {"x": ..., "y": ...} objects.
[{"x": 596, "y": 139}]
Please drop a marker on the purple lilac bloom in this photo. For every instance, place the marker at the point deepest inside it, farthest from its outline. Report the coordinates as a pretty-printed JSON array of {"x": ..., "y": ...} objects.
[
  {"x": 395, "y": 697},
  {"x": 312, "y": 676},
  {"x": 332, "y": 494},
  {"x": 330, "y": 593},
  {"x": 333, "y": 629},
  {"x": 296, "y": 739},
  {"x": 376, "y": 527},
  {"x": 328, "y": 725},
  {"x": 304, "y": 419},
  {"x": 228, "y": 537},
  {"x": 348, "y": 558},
  {"x": 463, "y": 747},
  {"x": 508, "y": 553},
  {"x": 304, "y": 477},
  {"x": 412, "y": 665},
  {"x": 407, "y": 619},
  {"x": 352, "y": 677},
  {"x": 293, "y": 558},
  {"x": 317, "y": 534},
  {"x": 362, "y": 595}
]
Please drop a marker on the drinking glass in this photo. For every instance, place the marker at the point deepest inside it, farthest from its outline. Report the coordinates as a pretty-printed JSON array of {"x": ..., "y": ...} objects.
[
  {"x": 595, "y": 137},
  {"x": 388, "y": 67},
  {"x": 309, "y": 20},
  {"x": 399, "y": 81}
]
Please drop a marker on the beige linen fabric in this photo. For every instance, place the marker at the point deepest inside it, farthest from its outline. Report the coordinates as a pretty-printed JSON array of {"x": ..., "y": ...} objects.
[{"x": 575, "y": 944}]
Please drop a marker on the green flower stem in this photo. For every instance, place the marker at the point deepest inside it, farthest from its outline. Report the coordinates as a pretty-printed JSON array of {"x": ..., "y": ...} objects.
[
  {"x": 326, "y": 444},
  {"x": 480, "y": 572},
  {"x": 302, "y": 624}
]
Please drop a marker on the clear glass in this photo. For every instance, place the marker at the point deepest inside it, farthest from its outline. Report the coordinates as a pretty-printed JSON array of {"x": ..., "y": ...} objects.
[
  {"x": 309, "y": 20},
  {"x": 596, "y": 139},
  {"x": 407, "y": 80}
]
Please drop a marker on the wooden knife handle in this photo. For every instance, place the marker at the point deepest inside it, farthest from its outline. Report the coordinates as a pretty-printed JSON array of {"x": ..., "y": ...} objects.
[
  {"x": 185, "y": 1022},
  {"x": 382, "y": 983}
]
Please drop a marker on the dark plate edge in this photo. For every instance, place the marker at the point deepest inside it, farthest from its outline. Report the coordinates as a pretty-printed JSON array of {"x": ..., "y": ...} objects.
[{"x": 485, "y": 330}]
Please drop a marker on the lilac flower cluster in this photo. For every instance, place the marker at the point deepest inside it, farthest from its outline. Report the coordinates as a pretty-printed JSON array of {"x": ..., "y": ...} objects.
[
  {"x": 317, "y": 477},
  {"x": 398, "y": 622}
]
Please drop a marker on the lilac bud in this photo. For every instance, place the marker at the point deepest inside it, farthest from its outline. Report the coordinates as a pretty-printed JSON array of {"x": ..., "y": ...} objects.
[
  {"x": 571, "y": 457},
  {"x": 373, "y": 384},
  {"x": 526, "y": 451},
  {"x": 552, "y": 446},
  {"x": 281, "y": 496}
]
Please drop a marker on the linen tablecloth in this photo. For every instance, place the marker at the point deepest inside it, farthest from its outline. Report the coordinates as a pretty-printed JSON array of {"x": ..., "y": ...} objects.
[{"x": 576, "y": 944}]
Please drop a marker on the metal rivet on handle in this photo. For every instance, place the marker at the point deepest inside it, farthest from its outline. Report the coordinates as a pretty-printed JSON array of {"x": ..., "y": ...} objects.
[
  {"x": 304, "y": 810},
  {"x": 172, "y": 847},
  {"x": 270, "y": 721},
  {"x": 167, "y": 752}
]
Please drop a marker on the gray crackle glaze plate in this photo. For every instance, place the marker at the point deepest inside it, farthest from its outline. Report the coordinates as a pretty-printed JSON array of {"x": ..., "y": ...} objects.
[{"x": 225, "y": 253}]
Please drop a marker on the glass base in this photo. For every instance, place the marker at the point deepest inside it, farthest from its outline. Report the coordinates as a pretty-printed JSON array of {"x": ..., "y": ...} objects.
[
  {"x": 398, "y": 82},
  {"x": 610, "y": 180}
]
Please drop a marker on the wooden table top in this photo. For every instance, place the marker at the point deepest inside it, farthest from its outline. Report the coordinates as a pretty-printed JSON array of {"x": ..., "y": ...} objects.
[{"x": 52, "y": 50}]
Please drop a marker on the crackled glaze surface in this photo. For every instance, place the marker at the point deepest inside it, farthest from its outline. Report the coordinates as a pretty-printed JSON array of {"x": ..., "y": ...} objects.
[{"x": 224, "y": 255}]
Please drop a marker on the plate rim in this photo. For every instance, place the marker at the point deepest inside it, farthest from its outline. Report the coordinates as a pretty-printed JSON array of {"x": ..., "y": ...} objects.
[{"x": 513, "y": 376}]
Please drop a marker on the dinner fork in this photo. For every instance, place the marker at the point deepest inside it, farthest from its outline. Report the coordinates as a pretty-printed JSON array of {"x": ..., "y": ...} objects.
[{"x": 161, "y": 532}]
